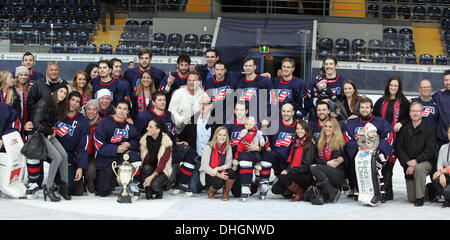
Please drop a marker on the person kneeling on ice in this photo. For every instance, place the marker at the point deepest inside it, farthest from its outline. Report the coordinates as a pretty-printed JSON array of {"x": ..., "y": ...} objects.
[
  {"x": 246, "y": 158},
  {"x": 296, "y": 178},
  {"x": 114, "y": 137},
  {"x": 215, "y": 170},
  {"x": 329, "y": 171},
  {"x": 156, "y": 152}
]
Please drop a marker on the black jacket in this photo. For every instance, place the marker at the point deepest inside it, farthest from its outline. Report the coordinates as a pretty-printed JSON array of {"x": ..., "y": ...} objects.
[
  {"x": 309, "y": 155},
  {"x": 189, "y": 133},
  {"x": 203, "y": 71},
  {"x": 44, "y": 115},
  {"x": 39, "y": 89},
  {"x": 334, "y": 155},
  {"x": 415, "y": 143}
]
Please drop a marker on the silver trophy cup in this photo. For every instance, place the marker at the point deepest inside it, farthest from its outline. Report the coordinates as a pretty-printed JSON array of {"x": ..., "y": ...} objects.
[{"x": 125, "y": 174}]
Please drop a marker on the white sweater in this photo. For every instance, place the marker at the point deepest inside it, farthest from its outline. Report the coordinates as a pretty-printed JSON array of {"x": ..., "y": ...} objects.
[
  {"x": 444, "y": 158},
  {"x": 183, "y": 104}
]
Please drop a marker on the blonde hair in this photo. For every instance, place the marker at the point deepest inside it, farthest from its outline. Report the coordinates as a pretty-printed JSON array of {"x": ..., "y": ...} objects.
[
  {"x": 3, "y": 75},
  {"x": 337, "y": 139},
  {"x": 212, "y": 143},
  {"x": 27, "y": 83},
  {"x": 87, "y": 89}
]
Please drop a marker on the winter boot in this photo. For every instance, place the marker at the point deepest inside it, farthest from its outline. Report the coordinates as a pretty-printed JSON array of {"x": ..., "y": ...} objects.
[
  {"x": 245, "y": 192},
  {"x": 148, "y": 193},
  {"x": 332, "y": 192},
  {"x": 287, "y": 193},
  {"x": 50, "y": 193},
  {"x": 227, "y": 188},
  {"x": 159, "y": 195},
  {"x": 211, "y": 192},
  {"x": 297, "y": 190},
  {"x": 64, "y": 191}
]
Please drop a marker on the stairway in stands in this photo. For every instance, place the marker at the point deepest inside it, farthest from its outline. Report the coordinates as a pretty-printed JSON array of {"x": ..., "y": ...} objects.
[
  {"x": 427, "y": 37},
  {"x": 348, "y": 8},
  {"x": 111, "y": 36}
]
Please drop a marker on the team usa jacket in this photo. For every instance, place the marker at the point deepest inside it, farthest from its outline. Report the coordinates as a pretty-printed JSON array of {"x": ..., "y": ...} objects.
[
  {"x": 289, "y": 91},
  {"x": 443, "y": 102},
  {"x": 73, "y": 134},
  {"x": 281, "y": 141},
  {"x": 9, "y": 122},
  {"x": 352, "y": 132},
  {"x": 108, "y": 135},
  {"x": 117, "y": 87},
  {"x": 145, "y": 117},
  {"x": 133, "y": 76}
]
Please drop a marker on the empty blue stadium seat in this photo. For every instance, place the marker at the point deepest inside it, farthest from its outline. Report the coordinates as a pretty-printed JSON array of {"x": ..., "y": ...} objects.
[
  {"x": 358, "y": 43},
  {"x": 93, "y": 13},
  {"x": 175, "y": 39},
  {"x": 324, "y": 53},
  {"x": 89, "y": 49},
  {"x": 376, "y": 57},
  {"x": 14, "y": 24},
  {"x": 405, "y": 31},
  {"x": 157, "y": 50},
  {"x": 135, "y": 50},
  {"x": 49, "y": 13},
  {"x": 143, "y": 38},
  {"x": 390, "y": 33},
  {"x": 408, "y": 46},
  {"x": 404, "y": 10},
  {"x": 35, "y": 12},
  {"x": 445, "y": 23},
  {"x": 146, "y": 25},
  {"x": 190, "y": 40},
  {"x": 390, "y": 44},
  {"x": 388, "y": 10},
  {"x": 426, "y": 59},
  {"x": 418, "y": 1},
  {"x": 342, "y": 44},
  {"x": 57, "y": 48},
  {"x": 325, "y": 44},
  {"x": 419, "y": 11},
  {"x": 106, "y": 49},
  {"x": 447, "y": 36},
  {"x": 441, "y": 59},
  {"x": 34, "y": 37},
  {"x": 372, "y": 9},
  {"x": 433, "y": 1},
  {"x": 445, "y": 2},
  {"x": 434, "y": 11},
  {"x": 72, "y": 3},
  {"x": 188, "y": 51},
  {"x": 122, "y": 49},
  {"x": 82, "y": 37},
  {"x": 206, "y": 39},
  {"x": 43, "y": 3},
  {"x": 159, "y": 39},
  {"x": 28, "y": 24},
  {"x": 73, "y": 48},
  {"x": 86, "y": 4},
  {"x": 19, "y": 36},
  {"x": 80, "y": 13},
  {"x": 19, "y": 12},
  {"x": 28, "y": 3},
  {"x": 57, "y": 3},
  {"x": 65, "y": 13},
  {"x": 131, "y": 26},
  {"x": 88, "y": 25},
  {"x": 67, "y": 36},
  {"x": 392, "y": 57},
  {"x": 342, "y": 55},
  {"x": 375, "y": 44},
  {"x": 446, "y": 12},
  {"x": 172, "y": 51},
  {"x": 358, "y": 54}
]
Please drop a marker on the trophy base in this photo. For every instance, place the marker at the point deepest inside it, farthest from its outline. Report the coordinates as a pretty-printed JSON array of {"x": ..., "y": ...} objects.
[{"x": 124, "y": 199}]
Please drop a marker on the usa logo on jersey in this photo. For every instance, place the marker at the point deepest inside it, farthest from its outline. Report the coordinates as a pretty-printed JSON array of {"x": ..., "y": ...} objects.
[
  {"x": 234, "y": 138},
  {"x": 284, "y": 139},
  {"x": 119, "y": 134},
  {"x": 248, "y": 93},
  {"x": 171, "y": 129},
  {"x": 62, "y": 129},
  {"x": 336, "y": 90},
  {"x": 220, "y": 93},
  {"x": 427, "y": 110},
  {"x": 357, "y": 132}
]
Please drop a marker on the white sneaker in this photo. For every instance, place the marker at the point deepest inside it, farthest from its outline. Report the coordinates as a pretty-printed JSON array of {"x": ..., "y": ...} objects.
[{"x": 245, "y": 192}]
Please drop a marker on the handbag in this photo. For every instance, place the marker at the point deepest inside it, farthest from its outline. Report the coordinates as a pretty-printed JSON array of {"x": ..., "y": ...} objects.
[{"x": 34, "y": 148}]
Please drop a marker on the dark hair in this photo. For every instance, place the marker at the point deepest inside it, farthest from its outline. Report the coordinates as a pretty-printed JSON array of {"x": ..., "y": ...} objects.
[
  {"x": 115, "y": 60},
  {"x": 124, "y": 101},
  {"x": 160, "y": 124},
  {"x": 241, "y": 102},
  {"x": 107, "y": 62},
  {"x": 211, "y": 50},
  {"x": 322, "y": 70},
  {"x": 219, "y": 62},
  {"x": 27, "y": 54},
  {"x": 61, "y": 108},
  {"x": 308, "y": 132},
  {"x": 157, "y": 94},
  {"x": 145, "y": 51},
  {"x": 330, "y": 57},
  {"x": 184, "y": 58},
  {"x": 322, "y": 103},
  {"x": 130, "y": 62},
  {"x": 75, "y": 94},
  {"x": 355, "y": 96},
  {"x": 399, "y": 95},
  {"x": 447, "y": 72},
  {"x": 366, "y": 100},
  {"x": 248, "y": 59},
  {"x": 89, "y": 69}
]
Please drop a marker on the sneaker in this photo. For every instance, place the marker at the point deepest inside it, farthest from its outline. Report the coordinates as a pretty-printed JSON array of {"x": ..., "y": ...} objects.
[
  {"x": 134, "y": 187},
  {"x": 419, "y": 202}
]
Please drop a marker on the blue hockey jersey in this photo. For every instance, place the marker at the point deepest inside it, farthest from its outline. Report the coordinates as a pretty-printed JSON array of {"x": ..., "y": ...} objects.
[
  {"x": 133, "y": 76},
  {"x": 117, "y": 87},
  {"x": 290, "y": 91}
]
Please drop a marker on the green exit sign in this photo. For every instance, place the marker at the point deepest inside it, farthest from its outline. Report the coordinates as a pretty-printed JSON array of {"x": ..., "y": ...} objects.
[{"x": 264, "y": 49}]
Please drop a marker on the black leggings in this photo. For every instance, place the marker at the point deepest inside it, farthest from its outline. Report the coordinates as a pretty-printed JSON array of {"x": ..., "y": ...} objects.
[
  {"x": 303, "y": 180},
  {"x": 160, "y": 183},
  {"x": 445, "y": 192},
  {"x": 325, "y": 173},
  {"x": 217, "y": 182}
]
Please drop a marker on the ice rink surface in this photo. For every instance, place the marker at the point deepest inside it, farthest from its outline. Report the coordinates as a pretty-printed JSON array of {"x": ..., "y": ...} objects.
[{"x": 199, "y": 207}]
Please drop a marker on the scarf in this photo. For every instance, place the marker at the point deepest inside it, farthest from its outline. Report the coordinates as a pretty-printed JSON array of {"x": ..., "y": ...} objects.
[
  {"x": 325, "y": 154},
  {"x": 295, "y": 159},
  {"x": 246, "y": 140},
  {"x": 396, "y": 111},
  {"x": 153, "y": 146},
  {"x": 216, "y": 156}
]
